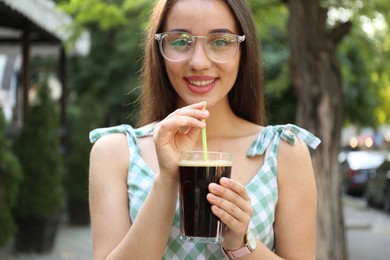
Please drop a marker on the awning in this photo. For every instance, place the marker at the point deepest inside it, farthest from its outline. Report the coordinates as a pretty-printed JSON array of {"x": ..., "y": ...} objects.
[
  {"x": 46, "y": 25},
  {"x": 36, "y": 27}
]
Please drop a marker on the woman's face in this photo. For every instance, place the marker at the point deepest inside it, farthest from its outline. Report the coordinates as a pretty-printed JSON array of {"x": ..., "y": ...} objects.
[{"x": 198, "y": 78}]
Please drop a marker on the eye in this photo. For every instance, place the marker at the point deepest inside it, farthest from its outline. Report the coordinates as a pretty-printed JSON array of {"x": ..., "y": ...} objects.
[
  {"x": 221, "y": 41},
  {"x": 178, "y": 43},
  {"x": 180, "y": 40}
]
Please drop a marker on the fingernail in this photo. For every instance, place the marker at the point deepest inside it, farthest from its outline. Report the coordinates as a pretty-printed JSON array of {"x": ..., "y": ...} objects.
[
  {"x": 224, "y": 181},
  {"x": 211, "y": 197},
  {"x": 213, "y": 187}
]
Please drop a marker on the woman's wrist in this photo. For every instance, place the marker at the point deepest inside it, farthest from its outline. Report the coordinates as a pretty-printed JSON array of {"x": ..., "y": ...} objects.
[
  {"x": 250, "y": 243},
  {"x": 167, "y": 179},
  {"x": 234, "y": 245}
]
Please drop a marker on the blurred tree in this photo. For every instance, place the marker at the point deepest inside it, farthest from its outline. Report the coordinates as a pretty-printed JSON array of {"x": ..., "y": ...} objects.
[
  {"x": 10, "y": 178},
  {"x": 41, "y": 197},
  {"x": 76, "y": 179},
  {"x": 363, "y": 56},
  {"x": 112, "y": 67},
  {"x": 316, "y": 79},
  {"x": 42, "y": 168}
]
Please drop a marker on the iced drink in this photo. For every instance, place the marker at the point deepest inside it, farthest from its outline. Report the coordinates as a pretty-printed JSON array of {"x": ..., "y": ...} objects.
[{"x": 197, "y": 222}]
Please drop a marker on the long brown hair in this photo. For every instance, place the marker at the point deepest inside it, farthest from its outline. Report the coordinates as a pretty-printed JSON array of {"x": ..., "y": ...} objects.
[{"x": 158, "y": 98}]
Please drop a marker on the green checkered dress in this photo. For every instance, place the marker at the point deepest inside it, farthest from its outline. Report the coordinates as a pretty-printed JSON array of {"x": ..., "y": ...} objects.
[{"x": 262, "y": 189}]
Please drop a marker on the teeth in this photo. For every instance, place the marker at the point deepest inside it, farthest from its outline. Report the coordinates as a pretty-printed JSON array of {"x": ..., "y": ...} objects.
[{"x": 201, "y": 83}]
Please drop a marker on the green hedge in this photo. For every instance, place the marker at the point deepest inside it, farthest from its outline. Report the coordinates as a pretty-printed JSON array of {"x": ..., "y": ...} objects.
[
  {"x": 10, "y": 177},
  {"x": 84, "y": 116},
  {"x": 38, "y": 150}
]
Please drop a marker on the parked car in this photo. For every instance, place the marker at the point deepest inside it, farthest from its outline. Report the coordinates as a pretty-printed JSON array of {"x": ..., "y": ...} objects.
[
  {"x": 356, "y": 166},
  {"x": 378, "y": 186}
]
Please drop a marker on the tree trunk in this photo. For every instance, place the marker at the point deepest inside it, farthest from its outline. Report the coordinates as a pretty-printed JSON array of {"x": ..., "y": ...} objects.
[{"x": 316, "y": 79}]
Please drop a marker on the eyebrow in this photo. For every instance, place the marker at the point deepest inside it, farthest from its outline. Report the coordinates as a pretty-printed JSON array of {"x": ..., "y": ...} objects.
[
  {"x": 220, "y": 30},
  {"x": 179, "y": 30}
]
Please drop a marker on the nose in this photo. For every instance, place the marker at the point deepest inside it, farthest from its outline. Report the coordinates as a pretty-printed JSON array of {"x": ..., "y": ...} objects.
[{"x": 199, "y": 60}]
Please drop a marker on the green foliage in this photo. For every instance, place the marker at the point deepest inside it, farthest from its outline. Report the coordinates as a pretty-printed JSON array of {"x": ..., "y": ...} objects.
[
  {"x": 112, "y": 67},
  {"x": 280, "y": 98},
  {"x": 271, "y": 19},
  {"x": 84, "y": 117},
  {"x": 133, "y": 5},
  {"x": 357, "y": 88},
  {"x": 38, "y": 150},
  {"x": 106, "y": 15},
  {"x": 117, "y": 26},
  {"x": 10, "y": 177},
  {"x": 363, "y": 56},
  {"x": 111, "y": 73}
]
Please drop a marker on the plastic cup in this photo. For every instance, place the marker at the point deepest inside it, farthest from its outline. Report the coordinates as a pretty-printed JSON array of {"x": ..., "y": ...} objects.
[{"x": 197, "y": 222}]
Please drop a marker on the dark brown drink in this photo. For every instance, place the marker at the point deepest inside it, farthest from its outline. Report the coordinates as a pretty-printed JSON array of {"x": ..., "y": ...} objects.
[{"x": 198, "y": 223}]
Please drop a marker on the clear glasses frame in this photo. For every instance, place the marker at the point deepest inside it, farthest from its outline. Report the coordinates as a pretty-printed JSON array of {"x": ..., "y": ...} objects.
[{"x": 178, "y": 46}]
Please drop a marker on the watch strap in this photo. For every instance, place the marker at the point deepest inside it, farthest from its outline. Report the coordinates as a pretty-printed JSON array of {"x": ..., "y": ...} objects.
[
  {"x": 250, "y": 245},
  {"x": 234, "y": 254}
]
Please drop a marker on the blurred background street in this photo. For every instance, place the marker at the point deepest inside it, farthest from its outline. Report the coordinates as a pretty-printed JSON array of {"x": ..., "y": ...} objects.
[
  {"x": 367, "y": 230},
  {"x": 72, "y": 242}
]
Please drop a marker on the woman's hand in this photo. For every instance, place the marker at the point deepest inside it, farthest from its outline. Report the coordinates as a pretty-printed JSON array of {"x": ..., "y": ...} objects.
[
  {"x": 179, "y": 131},
  {"x": 231, "y": 204}
]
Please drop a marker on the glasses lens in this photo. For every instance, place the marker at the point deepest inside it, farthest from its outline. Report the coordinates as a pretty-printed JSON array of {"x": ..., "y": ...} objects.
[
  {"x": 176, "y": 46},
  {"x": 222, "y": 47}
]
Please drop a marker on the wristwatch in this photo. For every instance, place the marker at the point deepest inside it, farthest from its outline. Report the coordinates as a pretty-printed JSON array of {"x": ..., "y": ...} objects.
[{"x": 250, "y": 245}]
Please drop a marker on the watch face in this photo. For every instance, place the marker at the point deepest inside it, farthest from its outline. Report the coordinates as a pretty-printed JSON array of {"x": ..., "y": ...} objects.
[{"x": 251, "y": 240}]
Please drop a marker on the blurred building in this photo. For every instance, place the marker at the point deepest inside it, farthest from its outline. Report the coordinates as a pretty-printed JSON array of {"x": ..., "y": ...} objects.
[
  {"x": 28, "y": 29},
  {"x": 9, "y": 68}
]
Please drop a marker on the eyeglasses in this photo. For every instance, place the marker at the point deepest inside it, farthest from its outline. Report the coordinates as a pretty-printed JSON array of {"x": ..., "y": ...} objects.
[{"x": 178, "y": 46}]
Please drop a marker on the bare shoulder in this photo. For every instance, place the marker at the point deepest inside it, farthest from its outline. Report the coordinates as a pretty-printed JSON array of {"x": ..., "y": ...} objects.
[
  {"x": 294, "y": 162},
  {"x": 110, "y": 150},
  {"x": 291, "y": 153}
]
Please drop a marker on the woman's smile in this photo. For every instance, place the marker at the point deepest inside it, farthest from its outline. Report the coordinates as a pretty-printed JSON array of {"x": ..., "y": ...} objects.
[{"x": 200, "y": 84}]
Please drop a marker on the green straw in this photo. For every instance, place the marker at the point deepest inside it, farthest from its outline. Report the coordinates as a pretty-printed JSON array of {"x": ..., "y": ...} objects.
[{"x": 204, "y": 138}]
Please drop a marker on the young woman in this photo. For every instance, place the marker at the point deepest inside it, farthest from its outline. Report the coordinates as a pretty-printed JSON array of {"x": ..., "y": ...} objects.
[{"x": 198, "y": 52}]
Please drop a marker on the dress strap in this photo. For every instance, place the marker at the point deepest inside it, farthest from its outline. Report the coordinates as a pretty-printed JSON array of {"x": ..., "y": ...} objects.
[
  {"x": 273, "y": 134},
  {"x": 131, "y": 133}
]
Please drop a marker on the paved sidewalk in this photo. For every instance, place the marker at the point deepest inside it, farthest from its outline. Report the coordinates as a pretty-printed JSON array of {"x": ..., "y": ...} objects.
[
  {"x": 367, "y": 231},
  {"x": 72, "y": 243}
]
